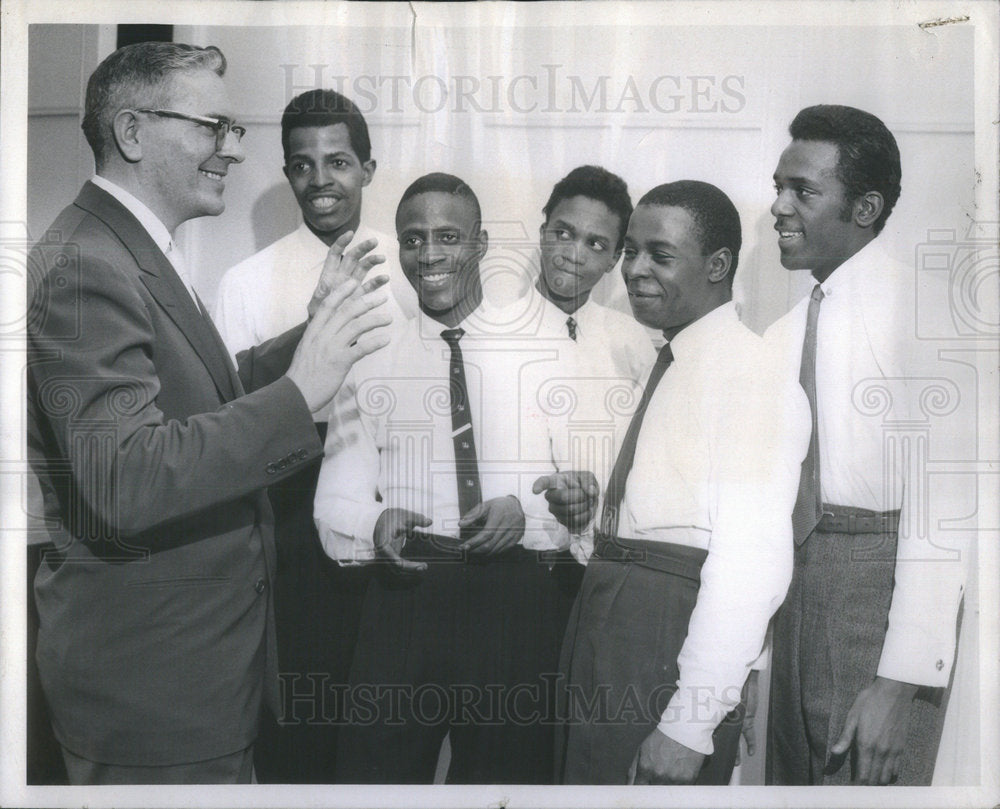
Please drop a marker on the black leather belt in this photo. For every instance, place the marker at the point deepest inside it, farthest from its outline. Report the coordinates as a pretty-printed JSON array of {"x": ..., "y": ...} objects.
[
  {"x": 666, "y": 557},
  {"x": 426, "y": 547},
  {"x": 850, "y": 520}
]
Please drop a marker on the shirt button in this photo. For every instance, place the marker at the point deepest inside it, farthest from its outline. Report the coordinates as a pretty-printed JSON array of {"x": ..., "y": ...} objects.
[
  {"x": 939, "y": 665},
  {"x": 259, "y": 585}
]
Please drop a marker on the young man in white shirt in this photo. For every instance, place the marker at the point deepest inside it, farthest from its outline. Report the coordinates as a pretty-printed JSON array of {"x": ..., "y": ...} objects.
[
  {"x": 328, "y": 164},
  {"x": 581, "y": 241},
  {"x": 428, "y": 469},
  {"x": 693, "y": 549},
  {"x": 864, "y": 643}
]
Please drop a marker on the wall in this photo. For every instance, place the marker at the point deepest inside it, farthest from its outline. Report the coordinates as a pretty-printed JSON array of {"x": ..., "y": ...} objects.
[{"x": 654, "y": 103}]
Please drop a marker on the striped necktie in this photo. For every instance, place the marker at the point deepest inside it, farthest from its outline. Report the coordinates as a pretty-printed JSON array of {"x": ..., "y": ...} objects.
[{"x": 466, "y": 463}]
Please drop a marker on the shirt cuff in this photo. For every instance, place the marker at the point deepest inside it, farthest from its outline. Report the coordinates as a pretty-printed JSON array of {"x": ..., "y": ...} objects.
[
  {"x": 356, "y": 544},
  {"x": 917, "y": 658},
  {"x": 691, "y": 718}
]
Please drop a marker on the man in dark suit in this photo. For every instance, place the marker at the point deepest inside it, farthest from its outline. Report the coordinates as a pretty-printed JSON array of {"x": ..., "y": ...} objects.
[{"x": 156, "y": 640}]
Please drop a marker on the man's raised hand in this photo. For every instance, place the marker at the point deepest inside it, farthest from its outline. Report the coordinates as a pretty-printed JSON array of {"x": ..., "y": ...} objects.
[
  {"x": 341, "y": 266},
  {"x": 344, "y": 329}
]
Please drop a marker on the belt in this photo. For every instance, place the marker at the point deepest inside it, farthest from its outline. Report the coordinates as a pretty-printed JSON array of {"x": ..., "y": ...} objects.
[
  {"x": 425, "y": 547},
  {"x": 666, "y": 557},
  {"x": 851, "y": 520}
]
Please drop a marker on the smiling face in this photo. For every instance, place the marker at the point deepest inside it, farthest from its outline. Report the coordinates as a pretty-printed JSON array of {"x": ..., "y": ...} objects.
[
  {"x": 577, "y": 247},
  {"x": 327, "y": 177},
  {"x": 182, "y": 173},
  {"x": 812, "y": 214},
  {"x": 440, "y": 245},
  {"x": 670, "y": 283}
]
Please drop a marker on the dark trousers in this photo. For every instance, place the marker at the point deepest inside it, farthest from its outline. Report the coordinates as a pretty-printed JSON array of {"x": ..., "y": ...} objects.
[
  {"x": 317, "y": 607},
  {"x": 235, "y": 768},
  {"x": 620, "y": 663},
  {"x": 467, "y": 648},
  {"x": 827, "y": 643}
]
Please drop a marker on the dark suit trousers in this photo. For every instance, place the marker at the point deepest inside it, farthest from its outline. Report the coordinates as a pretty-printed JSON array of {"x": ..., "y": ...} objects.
[
  {"x": 317, "y": 607},
  {"x": 466, "y": 647},
  {"x": 620, "y": 662},
  {"x": 827, "y": 643}
]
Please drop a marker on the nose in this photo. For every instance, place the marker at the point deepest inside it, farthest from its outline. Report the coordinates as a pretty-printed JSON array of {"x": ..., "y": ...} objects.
[
  {"x": 635, "y": 267},
  {"x": 781, "y": 205},
  {"x": 232, "y": 149},
  {"x": 430, "y": 254}
]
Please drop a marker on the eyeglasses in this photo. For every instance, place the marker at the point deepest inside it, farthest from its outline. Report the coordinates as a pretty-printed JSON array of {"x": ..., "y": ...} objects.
[{"x": 222, "y": 126}]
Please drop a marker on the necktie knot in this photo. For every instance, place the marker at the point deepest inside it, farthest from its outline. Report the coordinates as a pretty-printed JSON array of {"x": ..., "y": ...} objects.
[
  {"x": 571, "y": 327},
  {"x": 666, "y": 356},
  {"x": 452, "y": 336}
]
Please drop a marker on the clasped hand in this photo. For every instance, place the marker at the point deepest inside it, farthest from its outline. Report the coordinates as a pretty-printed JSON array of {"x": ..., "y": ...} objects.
[{"x": 572, "y": 497}]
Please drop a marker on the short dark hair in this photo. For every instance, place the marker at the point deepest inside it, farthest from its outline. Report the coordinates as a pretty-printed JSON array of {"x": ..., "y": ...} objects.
[
  {"x": 597, "y": 183},
  {"x": 867, "y": 154},
  {"x": 326, "y": 108},
  {"x": 137, "y": 75},
  {"x": 444, "y": 184},
  {"x": 714, "y": 214}
]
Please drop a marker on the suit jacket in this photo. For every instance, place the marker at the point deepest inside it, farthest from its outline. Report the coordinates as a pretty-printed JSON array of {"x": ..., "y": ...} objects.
[{"x": 156, "y": 622}]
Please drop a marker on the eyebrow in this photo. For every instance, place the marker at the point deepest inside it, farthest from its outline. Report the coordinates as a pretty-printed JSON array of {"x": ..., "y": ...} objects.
[{"x": 338, "y": 153}]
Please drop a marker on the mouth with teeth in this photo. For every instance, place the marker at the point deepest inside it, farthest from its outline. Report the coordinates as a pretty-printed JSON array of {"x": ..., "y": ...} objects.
[
  {"x": 788, "y": 236},
  {"x": 325, "y": 203},
  {"x": 435, "y": 278},
  {"x": 212, "y": 175}
]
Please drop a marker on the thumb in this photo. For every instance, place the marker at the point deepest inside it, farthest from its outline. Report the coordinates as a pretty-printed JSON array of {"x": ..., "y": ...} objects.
[
  {"x": 843, "y": 744},
  {"x": 542, "y": 484},
  {"x": 408, "y": 519},
  {"x": 473, "y": 515}
]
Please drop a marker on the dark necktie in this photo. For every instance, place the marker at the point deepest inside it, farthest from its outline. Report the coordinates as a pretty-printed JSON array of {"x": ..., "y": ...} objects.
[
  {"x": 466, "y": 464},
  {"x": 571, "y": 328},
  {"x": 623, "y": 465},
  {"x": 808, "y": 504}
]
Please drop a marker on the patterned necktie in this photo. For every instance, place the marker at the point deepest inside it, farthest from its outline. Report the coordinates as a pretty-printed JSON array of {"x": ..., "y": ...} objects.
[
  {"x": 466, "y": 464},
  {"x": 808, "y": 504},
  {"x": 623, "y": 465},
  {"x": 571, "y": 328}
]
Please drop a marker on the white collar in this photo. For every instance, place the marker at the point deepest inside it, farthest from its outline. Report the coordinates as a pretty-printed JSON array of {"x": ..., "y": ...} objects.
[{"x": 150, "y": 221}]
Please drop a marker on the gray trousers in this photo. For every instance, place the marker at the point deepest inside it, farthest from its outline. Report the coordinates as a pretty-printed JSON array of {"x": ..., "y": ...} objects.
[
  {"x": 619, "y": 660},
  {"x": 827, "y": 643}
]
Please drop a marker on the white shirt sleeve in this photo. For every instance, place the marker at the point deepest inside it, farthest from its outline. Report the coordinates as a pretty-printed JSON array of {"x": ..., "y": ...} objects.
[
  {"x": 757, "y": 449},
  {"x": 931, "y": 561},
  {"x": 346, "y": 507}
]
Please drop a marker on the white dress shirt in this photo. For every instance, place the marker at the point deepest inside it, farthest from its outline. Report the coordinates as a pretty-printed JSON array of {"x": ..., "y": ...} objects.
[
  {"x": 716, "y": 467},
  {"x": 390, "y": 443},
  {"x": 872, "y": 371},
  {"x": 595, "y": 391},
  {"x": 267, "y": 293}
]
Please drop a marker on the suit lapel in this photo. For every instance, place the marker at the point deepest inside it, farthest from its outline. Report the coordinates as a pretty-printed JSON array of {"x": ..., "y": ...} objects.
[{"x": 166, "y": 287}]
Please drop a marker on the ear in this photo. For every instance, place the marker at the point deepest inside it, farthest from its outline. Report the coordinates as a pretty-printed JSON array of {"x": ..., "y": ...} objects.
[
  {"x": 367, "y": 172},
  {"x": 284, "y": 170},
  {"x": 126, "y": 129},
  {"x": 483, "y": 239},
  {"x": 541, "y": 231},
  {"x": 868, "y": 208},
  {"x": 718, "y": 264}
]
